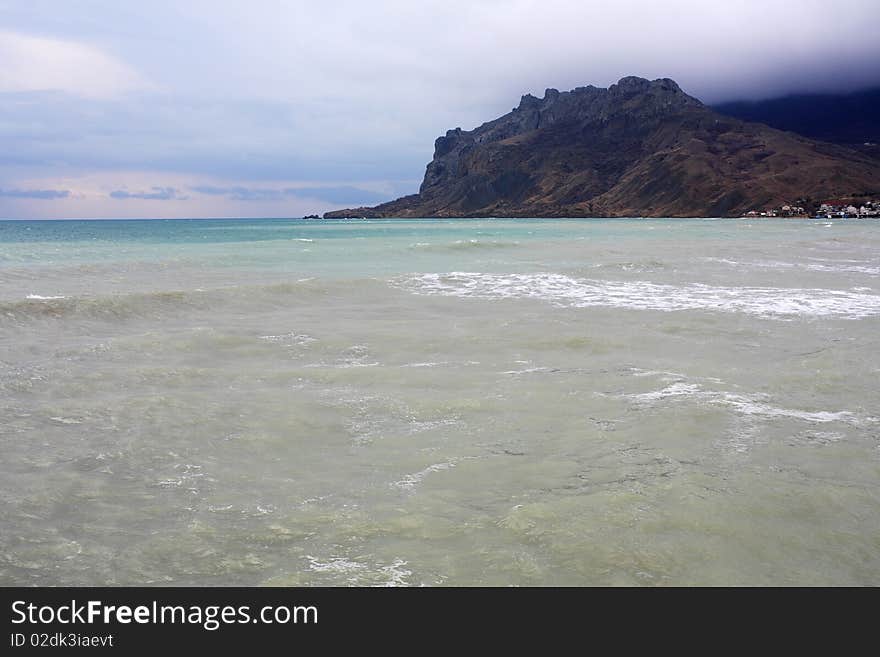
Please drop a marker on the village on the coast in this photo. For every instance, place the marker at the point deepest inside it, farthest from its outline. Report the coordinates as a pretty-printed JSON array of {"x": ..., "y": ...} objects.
[{"x": 846, "y": 208}]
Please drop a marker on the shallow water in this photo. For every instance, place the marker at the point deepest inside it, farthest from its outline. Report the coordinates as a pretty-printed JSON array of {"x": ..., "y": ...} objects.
[{"x": 528, "y": 402}]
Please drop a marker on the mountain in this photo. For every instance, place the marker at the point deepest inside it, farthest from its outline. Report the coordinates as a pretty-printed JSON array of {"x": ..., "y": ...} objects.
[
  {"x": 851, "y": 119},
  {"x": 637, "y": 148}
]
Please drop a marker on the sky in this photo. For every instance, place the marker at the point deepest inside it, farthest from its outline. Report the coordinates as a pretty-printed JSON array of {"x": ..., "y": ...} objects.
[{"x": 271, "y": 108}]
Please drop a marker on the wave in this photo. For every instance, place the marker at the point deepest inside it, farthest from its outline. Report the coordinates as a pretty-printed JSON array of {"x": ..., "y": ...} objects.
[
  {"x": 567, "y": 291},
  {"x": 97, "y": 307},
  {"x": 410, "y": 481},
  {"x": 747, "y": 405},
  {"x": 640, "y": 267},
  {"x": 289, "y": 339},
  {"x": 360, "y": 572},
  {"x": 463, "y": 245},
  {"x": 831, "y": 266},
  {"x": 158, "y": 304}
]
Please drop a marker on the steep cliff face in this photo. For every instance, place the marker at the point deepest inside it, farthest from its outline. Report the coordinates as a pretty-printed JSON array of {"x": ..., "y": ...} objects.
[{"x": 638, "y": 148}]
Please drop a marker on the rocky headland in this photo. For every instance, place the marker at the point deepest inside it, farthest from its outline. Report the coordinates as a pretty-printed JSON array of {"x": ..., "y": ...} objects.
[{"x": 639, "y": 148}]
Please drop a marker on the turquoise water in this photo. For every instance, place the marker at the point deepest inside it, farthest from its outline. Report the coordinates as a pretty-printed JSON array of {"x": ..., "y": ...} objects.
[{"x": 440, "y": 402}]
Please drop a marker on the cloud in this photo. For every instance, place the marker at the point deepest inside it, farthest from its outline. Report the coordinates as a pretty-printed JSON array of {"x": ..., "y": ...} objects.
[
  {"x": 241, "y": 193},
  {"x": 158, "y": 194},
  {"x": 33, "y": 63},
  {"x": 55, "y": 192},
  {"x": 236, "y": 139},
  {"x": 41, "y": 194},
  {"x": 249, "y": 96},
  {"x": 342, "y": 195}
]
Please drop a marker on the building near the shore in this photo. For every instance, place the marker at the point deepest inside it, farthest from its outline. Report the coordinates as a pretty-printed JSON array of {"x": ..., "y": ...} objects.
[
  {"x": 849, "y": 209},
  {"x": 786, "y": 210}
]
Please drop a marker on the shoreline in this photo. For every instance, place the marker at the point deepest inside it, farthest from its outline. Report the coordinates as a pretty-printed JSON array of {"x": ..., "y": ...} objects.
[{"x": 433, "y": 218}]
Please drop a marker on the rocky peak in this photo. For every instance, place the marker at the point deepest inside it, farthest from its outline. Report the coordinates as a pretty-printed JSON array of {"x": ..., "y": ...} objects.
[
  {"x": 644, "y": 100},
  {"x": 633, "y": 84},
  {"x": 446, "y": 144},
  {"x": 529, "y": 102}
]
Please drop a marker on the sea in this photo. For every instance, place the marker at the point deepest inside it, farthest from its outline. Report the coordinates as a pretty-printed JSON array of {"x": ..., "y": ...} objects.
[{"x": 492, "y": 402}]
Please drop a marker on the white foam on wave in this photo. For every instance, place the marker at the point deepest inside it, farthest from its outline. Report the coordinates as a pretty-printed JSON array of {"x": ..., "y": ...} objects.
[
  {"x": 356, "y": 356},
  {"x": 410, "y": 481},
  {"x": 338, "y": 565},
  {"x": 465, "y": 244},
  {"x": 668, "y": 377},
  {"x": 529, "y": 370},
  {"x": 675, "y": 390},
  {"x": 723, "y": 261},
  {"x": 65, "y": 420},
  {"x": 847, "y": 266},
  {"x": 395, "y": 573},
  {"x": 289, "y": 338},
  {"x": 849, "y": 269},
  {"x": 418, "y": 426},
  {"x": 643, "y": 295},
  {"x": 39, "y": 297},
  {"x": 357, "y": 572},
  {"x": 749, "y": 405}
]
